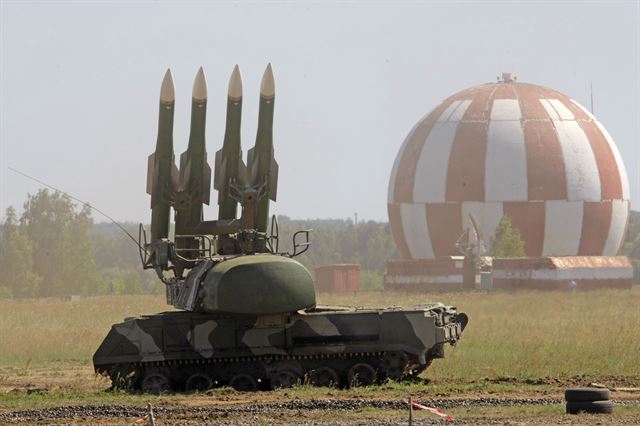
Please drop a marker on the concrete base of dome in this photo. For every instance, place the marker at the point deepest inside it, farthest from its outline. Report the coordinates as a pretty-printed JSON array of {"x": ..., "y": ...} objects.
[{"x": 532, "y": 273}]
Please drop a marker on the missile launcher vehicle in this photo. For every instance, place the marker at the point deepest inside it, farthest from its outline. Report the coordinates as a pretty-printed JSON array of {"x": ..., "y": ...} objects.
[{"x": 246, "y": 313}]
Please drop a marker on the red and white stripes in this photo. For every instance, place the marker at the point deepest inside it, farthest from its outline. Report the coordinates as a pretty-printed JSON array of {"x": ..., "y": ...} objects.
[
  {"x": 432, "y": 410},
  {"x": 509, "y": 148}
]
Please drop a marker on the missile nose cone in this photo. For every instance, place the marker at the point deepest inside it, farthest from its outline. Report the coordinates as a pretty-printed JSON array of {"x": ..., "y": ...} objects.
[
  {"x": 200, "y": 86},
  {"x": 268, "y": 85},
  {"x": 167, "y": 93},
  {"x": 235, "y": 84}
]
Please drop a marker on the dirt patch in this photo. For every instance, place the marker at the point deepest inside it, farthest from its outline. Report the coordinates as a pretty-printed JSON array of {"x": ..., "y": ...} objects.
[
  {"x": 354, "y": 411},
  {"x": 73, "y": 396},
  {"x": 583, "y": 380}
]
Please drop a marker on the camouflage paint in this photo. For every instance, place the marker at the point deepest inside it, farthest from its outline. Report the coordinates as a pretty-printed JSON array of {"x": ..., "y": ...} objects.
[
  {"x": 248, "y": 314},
  {"x": 306, "y": 335}
]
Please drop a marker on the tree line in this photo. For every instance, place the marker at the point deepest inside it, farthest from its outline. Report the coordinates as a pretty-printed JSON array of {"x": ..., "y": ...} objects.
[
  {"x": 631, "y": 244},
  {"x": 54, "y": 248}
]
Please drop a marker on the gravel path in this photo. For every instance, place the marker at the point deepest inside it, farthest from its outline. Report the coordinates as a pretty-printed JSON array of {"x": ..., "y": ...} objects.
[{"x": 247, "y": 413}]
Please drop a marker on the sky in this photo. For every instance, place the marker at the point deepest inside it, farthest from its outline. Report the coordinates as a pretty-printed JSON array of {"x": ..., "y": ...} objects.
[{"x": 80, "y": 83}]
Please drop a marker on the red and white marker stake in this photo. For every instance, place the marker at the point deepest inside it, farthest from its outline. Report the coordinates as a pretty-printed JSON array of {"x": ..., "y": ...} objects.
[
  {"x": 148, "y": 419},
  {"x": 435, "y": 411}
]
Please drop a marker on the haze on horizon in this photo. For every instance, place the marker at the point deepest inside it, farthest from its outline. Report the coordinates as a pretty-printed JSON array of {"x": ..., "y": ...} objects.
[{"x": 80, "y": 84}]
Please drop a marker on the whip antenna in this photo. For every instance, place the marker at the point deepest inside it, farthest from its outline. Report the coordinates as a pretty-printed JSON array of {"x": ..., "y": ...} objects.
[{"x": 81, "y": 202}]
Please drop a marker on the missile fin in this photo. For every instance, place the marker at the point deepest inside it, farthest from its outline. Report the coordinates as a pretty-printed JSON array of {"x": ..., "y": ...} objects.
[
  {"x": 175, "y": 177},
  {"x": 250, "y": 165},
  {"x": 273, "y": 180},
  {"x": 151, "y": 163},
  {"x": 218, "y": 176},
  {"x": 206, "y": 183},
  {"x": 185, "y": 169},
  {"x": 252, "y": 169}
]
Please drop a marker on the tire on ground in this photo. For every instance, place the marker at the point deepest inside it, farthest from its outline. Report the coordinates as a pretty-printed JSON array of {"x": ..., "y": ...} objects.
[
  {"x": 243, "y": 383},
  {"x": 323, "y": 377},
  {"x": 361, "y": 374},
  {"x": 394, "y": 364},
  {"x": 198, "y": 382},
  {"x": 123, "y": 376},
  {"x": 155, "y": 383},
  {"x": 575, "y": 407},
  {"x": 283, "y": 379},
  {"x": 586, "y": 394}
]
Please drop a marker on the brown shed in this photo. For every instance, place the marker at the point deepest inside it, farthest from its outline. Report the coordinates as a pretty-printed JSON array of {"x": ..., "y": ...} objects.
[{"x": 339, "y": 277}]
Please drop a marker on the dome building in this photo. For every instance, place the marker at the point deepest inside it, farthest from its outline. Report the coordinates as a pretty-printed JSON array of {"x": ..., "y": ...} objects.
[{"x": 516, "y": 149}]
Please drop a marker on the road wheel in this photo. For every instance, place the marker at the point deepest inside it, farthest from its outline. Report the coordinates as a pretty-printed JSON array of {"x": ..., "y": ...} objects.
[
  {"x": 586, "y": 394},
  {"x": 198, "y": 382},
  {"x": 575, "y": 407},
  {"x": 123, "y": 377},
  {"x": 361, "y": 374},
  {"x": 284, "y": 379},
  {"x": 394, "y": 365},
  {"x": 323, "y": 377},
  {"x": 155, "y": 383},
  {"x": 243, "y": 383}
]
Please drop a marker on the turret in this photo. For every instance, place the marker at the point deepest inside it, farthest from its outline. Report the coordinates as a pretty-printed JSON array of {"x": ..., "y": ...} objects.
[{"x": 228, "y": 265}]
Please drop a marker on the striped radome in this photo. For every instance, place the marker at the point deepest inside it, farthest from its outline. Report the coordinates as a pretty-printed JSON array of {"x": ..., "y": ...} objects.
[{"x": 514, "y": 149}]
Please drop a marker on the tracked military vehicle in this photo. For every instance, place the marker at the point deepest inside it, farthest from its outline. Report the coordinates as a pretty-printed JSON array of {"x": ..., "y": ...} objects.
[{"x": 246, "y": 313}]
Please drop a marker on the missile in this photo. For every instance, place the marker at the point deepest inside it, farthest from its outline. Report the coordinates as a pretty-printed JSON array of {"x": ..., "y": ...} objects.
[
  {"x": 195, "y": 173},
  {"x": 229, "y": 167},
  {"x": 262, "y": 166},
  {"x": 161, "y": 170}
]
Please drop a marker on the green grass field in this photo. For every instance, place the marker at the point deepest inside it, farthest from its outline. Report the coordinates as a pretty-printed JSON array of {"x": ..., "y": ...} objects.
[
  {"x": 516, "y": 345},
  {"x": 534, "y": 334},
  {"x": 521, "y": 335}
]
